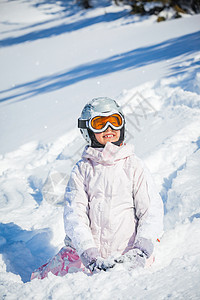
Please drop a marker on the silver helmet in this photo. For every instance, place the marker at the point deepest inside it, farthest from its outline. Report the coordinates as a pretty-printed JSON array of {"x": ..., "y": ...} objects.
[{"x": 103, "y": 106}]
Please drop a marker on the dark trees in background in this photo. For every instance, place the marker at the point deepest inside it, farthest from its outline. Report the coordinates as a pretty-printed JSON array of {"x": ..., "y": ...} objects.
[
  {"x": 85, "y": 3},
  {"x": 159, "y": 7},
  {"x": 187, "y": 6},
  {"x": 184, "y": 5}
]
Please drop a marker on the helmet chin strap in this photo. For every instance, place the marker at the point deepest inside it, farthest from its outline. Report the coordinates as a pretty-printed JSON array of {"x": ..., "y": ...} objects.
[{"x": 96, "y": 144}]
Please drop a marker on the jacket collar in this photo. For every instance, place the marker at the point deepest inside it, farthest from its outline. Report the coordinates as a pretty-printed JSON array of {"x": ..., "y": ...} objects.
[{"x": 108, "y": 155}]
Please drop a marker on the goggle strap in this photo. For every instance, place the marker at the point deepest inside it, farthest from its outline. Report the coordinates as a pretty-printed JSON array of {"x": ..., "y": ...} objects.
[{"x": 82, "y": 124}]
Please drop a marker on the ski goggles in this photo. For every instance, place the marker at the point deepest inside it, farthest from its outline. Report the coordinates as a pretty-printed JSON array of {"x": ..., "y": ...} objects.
[{"x": 100, "y": 123}]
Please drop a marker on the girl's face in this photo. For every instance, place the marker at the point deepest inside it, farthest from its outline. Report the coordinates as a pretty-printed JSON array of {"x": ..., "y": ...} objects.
[{"x": 109, "y": 135}]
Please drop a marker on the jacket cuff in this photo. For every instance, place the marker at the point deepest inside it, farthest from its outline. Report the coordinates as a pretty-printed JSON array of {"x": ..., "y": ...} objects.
[
  {"x": 85, "y": 245},
  {"x": 145, "y": 245}
]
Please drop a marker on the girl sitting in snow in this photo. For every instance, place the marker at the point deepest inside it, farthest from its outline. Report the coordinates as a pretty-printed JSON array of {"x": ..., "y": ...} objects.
[{"x": 113, "y": 213}]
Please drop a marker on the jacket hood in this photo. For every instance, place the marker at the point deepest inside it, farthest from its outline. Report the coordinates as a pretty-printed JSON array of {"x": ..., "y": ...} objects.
[{"x": 108, "y": 155}]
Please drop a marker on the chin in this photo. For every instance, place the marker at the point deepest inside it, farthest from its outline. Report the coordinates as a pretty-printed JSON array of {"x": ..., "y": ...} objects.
[{"x": 111, "y": 141}]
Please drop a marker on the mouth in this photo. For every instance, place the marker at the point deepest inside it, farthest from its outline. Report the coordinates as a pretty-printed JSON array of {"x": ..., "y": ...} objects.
[{"x": 108, "y": 136}]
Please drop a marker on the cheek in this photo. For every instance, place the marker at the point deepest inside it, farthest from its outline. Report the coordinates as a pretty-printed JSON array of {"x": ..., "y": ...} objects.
[
  {"x": 118, "y": 134},
  {"x": 98, "y": 136}
]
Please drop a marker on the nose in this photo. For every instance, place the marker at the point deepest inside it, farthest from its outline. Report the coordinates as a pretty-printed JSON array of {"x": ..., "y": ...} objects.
[{"x": 108, "y": 129}]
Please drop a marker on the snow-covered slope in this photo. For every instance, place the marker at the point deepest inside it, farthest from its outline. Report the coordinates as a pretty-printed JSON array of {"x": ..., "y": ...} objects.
[{"x": 54, "y": 57}]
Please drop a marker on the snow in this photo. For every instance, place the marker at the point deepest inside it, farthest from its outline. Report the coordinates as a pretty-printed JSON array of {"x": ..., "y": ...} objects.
[{"x": 54, "y": 57}]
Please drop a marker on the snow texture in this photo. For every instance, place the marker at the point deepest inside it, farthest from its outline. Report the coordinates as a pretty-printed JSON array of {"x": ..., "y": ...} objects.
[{"x": 54, "y": 58}]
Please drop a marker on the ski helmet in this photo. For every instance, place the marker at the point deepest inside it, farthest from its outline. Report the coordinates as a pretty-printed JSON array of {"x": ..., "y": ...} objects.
[{"x": 101, "y": 106}]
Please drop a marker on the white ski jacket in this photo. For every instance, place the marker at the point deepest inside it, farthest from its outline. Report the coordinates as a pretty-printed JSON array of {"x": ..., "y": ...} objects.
[{"x": 111, "y": 201}]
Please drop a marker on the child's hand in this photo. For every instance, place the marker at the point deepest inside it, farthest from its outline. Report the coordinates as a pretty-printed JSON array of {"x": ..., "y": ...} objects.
[
  {"x": 92, "y": 260},
  {"x": 137, "y": 255},
  {"x": 145, "y": 245},
  {"x": 89, "y": 257},
  {"x": 134, "y": 258},
  {"x": 102, "y": 264}
]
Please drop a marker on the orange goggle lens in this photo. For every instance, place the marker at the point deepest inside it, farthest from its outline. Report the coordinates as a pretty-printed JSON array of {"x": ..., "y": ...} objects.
[{"x": 100, "y": 122}]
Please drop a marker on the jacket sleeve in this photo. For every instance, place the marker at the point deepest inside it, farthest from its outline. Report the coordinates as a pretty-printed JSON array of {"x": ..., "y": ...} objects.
[
  {"x": 76, "y": 220},
  {"x": 148, "y": 204}
]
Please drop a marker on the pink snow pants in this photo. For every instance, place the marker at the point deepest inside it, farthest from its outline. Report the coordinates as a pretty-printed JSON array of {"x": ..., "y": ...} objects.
[{"x": 65, "y": 261}]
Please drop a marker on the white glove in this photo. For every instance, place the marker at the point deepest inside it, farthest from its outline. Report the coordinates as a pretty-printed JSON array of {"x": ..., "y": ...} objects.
[
  {"x": 134, "y": 258},
  {"x": 92, "y": 260},
  {"x": 101, "y": 264},
  {"x": 89, "y": 257},
  {"x": 137, "y": 255}
]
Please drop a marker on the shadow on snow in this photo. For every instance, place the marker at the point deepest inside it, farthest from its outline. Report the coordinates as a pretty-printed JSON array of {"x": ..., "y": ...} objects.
[
  {"x": 136, "y": 58},
  {"x": 23, "y": 251},
  {"x": 60, "y": 29}
]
